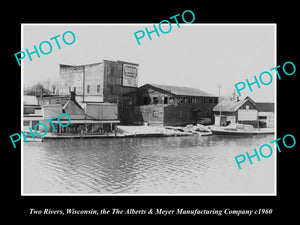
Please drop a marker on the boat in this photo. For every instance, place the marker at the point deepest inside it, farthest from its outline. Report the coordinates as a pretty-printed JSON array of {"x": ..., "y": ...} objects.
[{"x": 233, "y": 129}]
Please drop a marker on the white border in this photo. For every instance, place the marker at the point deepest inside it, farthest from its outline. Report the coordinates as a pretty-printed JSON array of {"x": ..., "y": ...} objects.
[{"x": 147, "y": 24}]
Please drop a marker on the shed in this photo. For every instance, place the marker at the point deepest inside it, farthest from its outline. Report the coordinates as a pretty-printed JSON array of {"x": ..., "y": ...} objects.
[{"x": 244, "y": 111}]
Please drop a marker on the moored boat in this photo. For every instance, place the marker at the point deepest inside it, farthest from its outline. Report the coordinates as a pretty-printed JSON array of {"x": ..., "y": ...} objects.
[{"x": 233, "y": 129}]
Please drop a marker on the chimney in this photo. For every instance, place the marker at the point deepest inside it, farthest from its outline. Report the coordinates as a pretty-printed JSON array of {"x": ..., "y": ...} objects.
[{"x": 72, "y": 93}]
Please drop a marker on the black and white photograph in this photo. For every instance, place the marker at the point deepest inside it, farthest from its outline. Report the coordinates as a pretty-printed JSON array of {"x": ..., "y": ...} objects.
[
  {"x": 156, "y": 118},
  {"x": 133, "y": 112}
]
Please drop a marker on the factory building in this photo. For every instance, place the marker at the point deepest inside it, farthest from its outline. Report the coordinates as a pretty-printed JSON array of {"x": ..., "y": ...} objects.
[
  {"x": 107, "y": 93},
  {"x": 106, "y": 81},
  {"x": 167, "y": 105}
]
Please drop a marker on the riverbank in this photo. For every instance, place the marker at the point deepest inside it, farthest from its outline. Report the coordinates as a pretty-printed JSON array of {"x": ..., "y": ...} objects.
[{"x": 123, "y": 131}]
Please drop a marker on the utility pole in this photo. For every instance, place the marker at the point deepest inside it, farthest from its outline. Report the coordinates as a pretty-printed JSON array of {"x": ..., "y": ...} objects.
[{"x": 219, "y": 86}]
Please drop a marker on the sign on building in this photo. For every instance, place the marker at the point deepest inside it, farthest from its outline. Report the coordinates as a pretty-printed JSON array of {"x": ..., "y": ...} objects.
[
  {"x": 130, "y": 75},
  {"x": 244, "y": 114},
  {"x": 71, "y": 76}
]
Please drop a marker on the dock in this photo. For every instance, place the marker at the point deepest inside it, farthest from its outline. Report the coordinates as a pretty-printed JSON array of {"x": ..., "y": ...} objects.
[{"x": 145, "y": 131}]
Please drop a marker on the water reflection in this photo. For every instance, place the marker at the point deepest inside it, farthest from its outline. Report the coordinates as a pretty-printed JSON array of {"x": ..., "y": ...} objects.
[{"x": 178, "y": 165}]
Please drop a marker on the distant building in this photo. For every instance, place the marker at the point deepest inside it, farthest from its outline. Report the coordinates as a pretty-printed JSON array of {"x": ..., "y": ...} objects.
[
  {"x": 155, "y": 104},
  {"x": 95, "y": 118},
  {"x": 108, "y": 91},
  {"x": 32, "y": 113},
  {"x": 265, "y": 114},
  {"x": 243, "y": 111},
  {"x": 53, "y": 99},
  {"x": 105, "y": 81}
]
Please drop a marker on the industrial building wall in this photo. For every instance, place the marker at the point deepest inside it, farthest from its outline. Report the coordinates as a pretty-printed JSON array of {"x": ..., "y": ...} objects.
[
  {"x": 102, "y": 111},
  {"x": 184, "y": 114},
  {"x": 51, "y": 111},
  {"x": 93, "y": 82},
  {"x": 152, "y": 114},
  {"x": 131, "y": 115},
  {"x": 71, "y": 76},
  {"x": 113, "y": 89},
  {"x": 178, "y": 115},
  {"x": 146, "y": 114}
]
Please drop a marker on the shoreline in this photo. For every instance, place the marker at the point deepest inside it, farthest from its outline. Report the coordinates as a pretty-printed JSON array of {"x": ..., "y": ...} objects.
[{"x": 145, "y": 131}]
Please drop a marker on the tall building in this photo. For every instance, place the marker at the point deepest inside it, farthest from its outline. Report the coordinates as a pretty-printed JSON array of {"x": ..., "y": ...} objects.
[{"x": 105, "y": 81}]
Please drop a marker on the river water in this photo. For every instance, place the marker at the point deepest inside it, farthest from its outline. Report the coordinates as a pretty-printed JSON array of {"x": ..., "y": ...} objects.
[{"x": 156, "y": 165}]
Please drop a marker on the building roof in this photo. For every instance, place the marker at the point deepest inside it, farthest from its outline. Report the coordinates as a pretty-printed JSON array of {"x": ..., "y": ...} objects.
[
  {"x": 187, "y": 91},
  {"x": 265, "y": 106},
  {"x": 73, "y": 108},
  {"x": 232, "y": 106},
  {"x": 30, "y": 100},
  {"x": 75, "y": 111}
]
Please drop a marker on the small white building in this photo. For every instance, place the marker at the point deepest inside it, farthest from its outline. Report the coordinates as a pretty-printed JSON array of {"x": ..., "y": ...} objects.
[
  {"x": 243, "y": 111},
  {"x": 32, "y": 113},
  {"x": 266, "y": 114}
]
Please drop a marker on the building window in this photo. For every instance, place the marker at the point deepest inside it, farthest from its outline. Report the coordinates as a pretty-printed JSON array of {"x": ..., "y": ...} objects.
[
  {"x": 247, "y": 107},
  {"x": 88, "y": 88},
  {"x": 165, "y": 100},
  {"x": 34, "y": 123},
  {"x": 172, "y": 99},
  {"x": 205, "y": 100},
  {"x": 215, "y": 100},
  {"x": 130, "y": 99},
  {"x": 180, "y": 100},
  {"x": 155, "y": 113},
  {"x": 155, "y": 100},
  {"x": 111, "y": 89},
  {"x": 194, "y": 100},
  {"x": 26, "y": 123},
  {"x": 98, "y": 88},
  {"x": 146, "y": 101},
  {"x": 210, "y": 100},
  {"x": 262, "y": 117}
]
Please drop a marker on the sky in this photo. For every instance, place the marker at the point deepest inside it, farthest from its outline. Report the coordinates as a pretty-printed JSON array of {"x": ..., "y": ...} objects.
[{"x": 201, "y": 56}]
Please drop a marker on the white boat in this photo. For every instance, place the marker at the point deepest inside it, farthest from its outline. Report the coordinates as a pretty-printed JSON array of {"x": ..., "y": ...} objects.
[{"x": 233, "y": 129}]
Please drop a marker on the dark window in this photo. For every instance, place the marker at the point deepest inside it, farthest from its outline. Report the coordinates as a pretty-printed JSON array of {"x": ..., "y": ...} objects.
[
  {"x": 26, "y": 123},
  {"x": 98, "y": 88},
  {"x": 215, "y": 100},
  {"x": 155, "y": 100},
  {"x": 88, "y": 89},
  {"x": 262, "y": 117},
  {"x": 210, "y": 100},
  {"x": 33, "y": 123},
  {"x": 180, "y": 100},
  {"x": 146, "y": 100},
  {"x": 155, "y": 113},
  {"x": 165, "y": 100}
]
